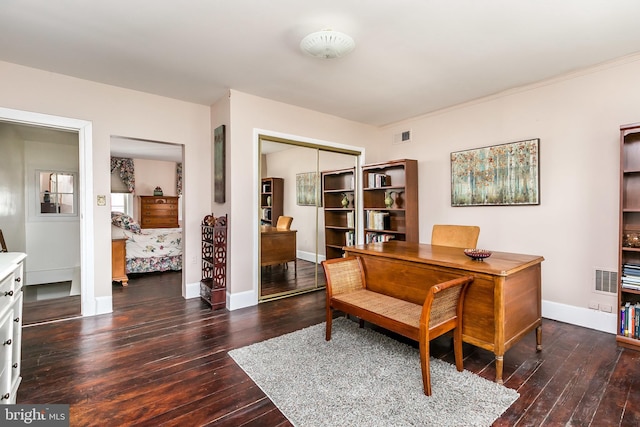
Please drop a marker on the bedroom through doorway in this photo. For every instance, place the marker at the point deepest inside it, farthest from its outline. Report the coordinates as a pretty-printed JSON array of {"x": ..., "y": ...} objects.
[{"x": 146, "y": 220}]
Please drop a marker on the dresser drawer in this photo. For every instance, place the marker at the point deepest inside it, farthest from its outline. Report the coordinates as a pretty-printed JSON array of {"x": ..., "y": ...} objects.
[{"x": 149, "y": 200}]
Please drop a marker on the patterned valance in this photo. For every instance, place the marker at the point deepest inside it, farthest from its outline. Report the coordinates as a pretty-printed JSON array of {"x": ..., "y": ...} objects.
[
  {"x": 125, "y": 170},
  {"x": 179, "y": 179}
]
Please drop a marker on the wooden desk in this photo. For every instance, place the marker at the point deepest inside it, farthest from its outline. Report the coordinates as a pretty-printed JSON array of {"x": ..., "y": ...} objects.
[
  {"x": 277, "y": 246},
  {"x": 502, "y": 305}
]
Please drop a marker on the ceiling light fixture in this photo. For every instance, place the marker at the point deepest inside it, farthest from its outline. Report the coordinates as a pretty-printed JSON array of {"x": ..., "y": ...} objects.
[{"x": 327, "y": 44}]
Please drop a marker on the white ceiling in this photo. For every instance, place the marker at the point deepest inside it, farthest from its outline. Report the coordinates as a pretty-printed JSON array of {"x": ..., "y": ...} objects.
[{"x": 411, "y": 57}]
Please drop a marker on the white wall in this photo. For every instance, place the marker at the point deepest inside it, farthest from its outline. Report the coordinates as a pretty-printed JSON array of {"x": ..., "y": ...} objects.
[
  {"x": 126, "y": 113},
  {"x": 52, "y": 242},
  {"x": 12, "y": 206},
  {"x": 575, "y": 227},
  {"x": 249, "y": 115}
]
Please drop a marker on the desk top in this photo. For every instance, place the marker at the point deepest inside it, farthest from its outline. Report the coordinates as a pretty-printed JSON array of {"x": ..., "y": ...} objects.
[
  {"x": 498, "y": 264},
  {"x": 268, "y": 229}
]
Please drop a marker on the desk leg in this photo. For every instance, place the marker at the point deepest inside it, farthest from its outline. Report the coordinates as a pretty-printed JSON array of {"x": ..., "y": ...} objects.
[
  {"x": 499, "y": 365},
  {"x": 539, "y": 338}
]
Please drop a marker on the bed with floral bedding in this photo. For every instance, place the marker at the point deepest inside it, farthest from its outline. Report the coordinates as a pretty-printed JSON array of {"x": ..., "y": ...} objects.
[{"x": 149, "y": 249}]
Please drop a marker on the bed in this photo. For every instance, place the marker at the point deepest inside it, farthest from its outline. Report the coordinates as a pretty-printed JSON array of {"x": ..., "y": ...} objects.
[{"x": 149, "y": 249}]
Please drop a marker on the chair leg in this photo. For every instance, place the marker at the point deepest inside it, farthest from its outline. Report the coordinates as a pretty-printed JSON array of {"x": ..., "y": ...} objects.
[
  {"x": 328, "y": 324},
  {"x": 424, "y": 365},
  {"x": 457, "y": 347}
]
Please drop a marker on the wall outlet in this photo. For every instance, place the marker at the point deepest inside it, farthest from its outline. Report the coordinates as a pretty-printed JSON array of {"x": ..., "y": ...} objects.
[
  {"x": 102, "y": 200},
  {"x": 194, "y": 260},
  {"x": 606, "y": 308},
  {"x": 594, "y": 305}
]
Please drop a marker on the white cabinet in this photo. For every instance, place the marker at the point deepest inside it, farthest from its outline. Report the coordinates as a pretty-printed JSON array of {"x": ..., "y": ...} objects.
[{"x": 11, "y": 280}]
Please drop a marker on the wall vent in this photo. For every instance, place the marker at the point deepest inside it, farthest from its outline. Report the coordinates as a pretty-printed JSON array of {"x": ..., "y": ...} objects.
[
  {"x": 402, "y": 137},
  {"x": 606, "y": 281}
]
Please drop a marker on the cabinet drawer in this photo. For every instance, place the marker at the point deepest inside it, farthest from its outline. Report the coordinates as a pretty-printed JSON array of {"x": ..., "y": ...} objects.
[
  {"x": 146, "y": 201},
  {"x": 165, "y": 210},
  {"x": 6, "y": 347}
]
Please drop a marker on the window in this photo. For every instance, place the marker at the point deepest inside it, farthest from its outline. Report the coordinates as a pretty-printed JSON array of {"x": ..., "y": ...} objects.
[
  {"x": 122, "y": 202},
  {"x": 56, "y": 193}
]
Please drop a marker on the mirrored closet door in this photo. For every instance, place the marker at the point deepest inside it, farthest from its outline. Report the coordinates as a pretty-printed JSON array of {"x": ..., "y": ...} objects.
[{"x": 291, "y": 214}]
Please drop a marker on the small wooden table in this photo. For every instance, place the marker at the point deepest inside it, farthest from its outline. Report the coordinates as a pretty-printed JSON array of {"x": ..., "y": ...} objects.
[
  {"x": 118, "y": 261},
  {"x": 277, "y": 246},
  {"x": 501, "y": 306}
]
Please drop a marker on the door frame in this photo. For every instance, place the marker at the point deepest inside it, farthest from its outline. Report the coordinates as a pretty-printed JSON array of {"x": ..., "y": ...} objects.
[
  {"x": 85, "y": 146},
  {"x": 282, "y": 137}
]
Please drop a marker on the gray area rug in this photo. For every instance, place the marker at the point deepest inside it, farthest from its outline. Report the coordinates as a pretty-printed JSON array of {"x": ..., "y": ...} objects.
[{"x": 364, "y": 378}]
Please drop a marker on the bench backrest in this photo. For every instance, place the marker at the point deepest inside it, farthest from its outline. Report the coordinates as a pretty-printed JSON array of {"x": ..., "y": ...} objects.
[{"x": 343, "y": 275}]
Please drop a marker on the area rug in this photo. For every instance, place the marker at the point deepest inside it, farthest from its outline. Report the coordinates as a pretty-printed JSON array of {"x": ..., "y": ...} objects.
[{"x": 364, "y": 378}]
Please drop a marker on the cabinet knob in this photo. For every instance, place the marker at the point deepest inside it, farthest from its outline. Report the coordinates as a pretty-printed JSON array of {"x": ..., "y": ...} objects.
[
  {"x": 8, "y": 293},
  {"x": 15, "y": 365},
  {"x": 17, "y": 319},
  {"x": 7, "y": 342},
  {"x": 18, "y": 279},
  {"x": 5, "y": 396}
]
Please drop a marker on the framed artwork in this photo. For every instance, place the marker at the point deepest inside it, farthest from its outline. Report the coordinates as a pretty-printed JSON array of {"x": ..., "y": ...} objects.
[
  {"x": 500, "y": 175},
  {"x": 218, "y": 164},
  {"x": 307, "y": 191}
]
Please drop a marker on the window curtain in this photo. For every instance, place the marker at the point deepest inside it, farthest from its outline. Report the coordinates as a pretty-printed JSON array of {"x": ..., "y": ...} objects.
[
  {"x": 125, "y": 170},
  {"x": 179, "y": 179}
]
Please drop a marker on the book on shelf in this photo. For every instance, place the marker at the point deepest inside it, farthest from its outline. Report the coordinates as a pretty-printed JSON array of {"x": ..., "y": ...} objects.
[
  {"x": 349, "y": 238},
  {"x": 630, "y": 320},
  {"x": 632, "y": 286},
  {"x": 350, "y": 219},
  {"x": 377, "y": 220},
  {"x": 376, "y": 180},
  {"x": 378, "y": 237}
]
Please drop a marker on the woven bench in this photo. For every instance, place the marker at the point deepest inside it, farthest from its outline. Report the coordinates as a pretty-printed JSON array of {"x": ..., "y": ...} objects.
[{"x": 441, "y": 312}]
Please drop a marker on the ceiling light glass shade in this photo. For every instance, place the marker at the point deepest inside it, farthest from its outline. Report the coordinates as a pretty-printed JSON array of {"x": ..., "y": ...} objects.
[{"x": 327, "y": 44}]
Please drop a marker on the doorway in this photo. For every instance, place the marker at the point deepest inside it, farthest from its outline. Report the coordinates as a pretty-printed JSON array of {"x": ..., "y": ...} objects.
[
  {"x": 153, "y": 255},
  {"x": 40, "y": 216},
  {"x": 296, "y": 167}
]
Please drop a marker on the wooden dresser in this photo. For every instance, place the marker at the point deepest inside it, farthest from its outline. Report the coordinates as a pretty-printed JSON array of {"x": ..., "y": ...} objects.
[{"x": 159, "y": 212}]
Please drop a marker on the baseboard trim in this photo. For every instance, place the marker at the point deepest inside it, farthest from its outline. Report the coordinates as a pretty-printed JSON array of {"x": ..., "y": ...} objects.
[{"x": 585, "y": 317}]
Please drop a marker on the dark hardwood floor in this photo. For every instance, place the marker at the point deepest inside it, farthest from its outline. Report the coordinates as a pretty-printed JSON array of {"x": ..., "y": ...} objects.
[{"x": 163, "y": 361}]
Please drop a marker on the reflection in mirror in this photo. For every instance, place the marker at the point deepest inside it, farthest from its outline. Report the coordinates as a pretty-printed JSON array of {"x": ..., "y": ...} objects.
[
  {"x": 56, "y": 192},
  {"x": 290, "y": 182}
]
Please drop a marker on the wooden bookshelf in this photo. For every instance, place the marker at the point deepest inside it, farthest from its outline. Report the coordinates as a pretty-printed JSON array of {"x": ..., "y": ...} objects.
[
  {"x": 398, "y": 220},
  {"x": 629, "y": 235},
  {"x": 271, "y": 200},
  {"x": 338, "y": 191}
]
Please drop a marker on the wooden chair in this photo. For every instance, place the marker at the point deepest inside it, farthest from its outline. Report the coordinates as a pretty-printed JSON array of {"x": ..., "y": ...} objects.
[
  {"x": 458, "y": 236},
  {"x": 441, "y": 312},
  {"x": 284, "y": 222},
  {"x": 3, "y": 245}
]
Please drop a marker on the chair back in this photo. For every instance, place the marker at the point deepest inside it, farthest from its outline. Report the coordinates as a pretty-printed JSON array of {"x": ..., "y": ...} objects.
[
  {"x": 3, "y": 245},
  {"x": 343, "y": 275},
  {"x": 457, "y": 236},
  {"x": 284, "y": 222}
]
